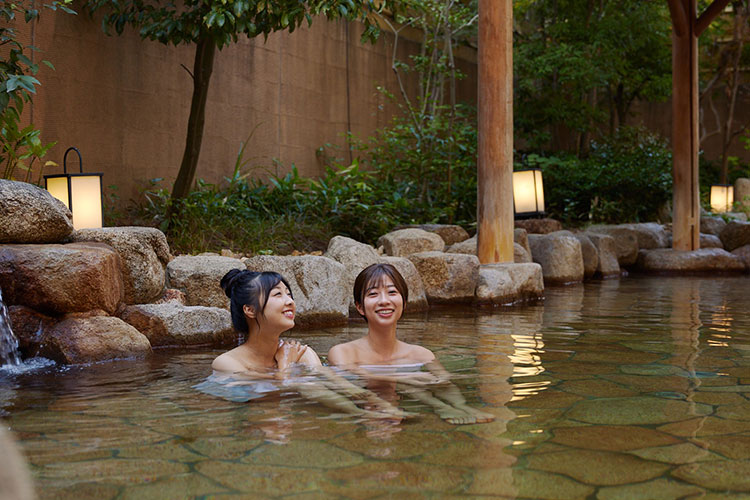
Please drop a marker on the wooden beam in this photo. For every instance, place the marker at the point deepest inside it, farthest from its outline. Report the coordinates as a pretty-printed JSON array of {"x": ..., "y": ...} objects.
[
  {"x": 495, "y": 142},
  {"x": 680, "y": 19},
  {"x": 713, "y": 10},
  {"x": 686, "y": 209}
]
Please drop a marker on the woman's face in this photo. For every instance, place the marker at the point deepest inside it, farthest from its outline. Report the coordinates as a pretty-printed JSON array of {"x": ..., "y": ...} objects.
[
  {"x": 382, "y": 304},
  {"x": 279, "y": 310}
]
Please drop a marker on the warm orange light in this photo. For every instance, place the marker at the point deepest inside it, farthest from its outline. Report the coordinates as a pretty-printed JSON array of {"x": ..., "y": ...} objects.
[
  {"x": 81, "y": 193},
  {"x": 528, "y": 192},
  {"x": 722, "y": 198}
]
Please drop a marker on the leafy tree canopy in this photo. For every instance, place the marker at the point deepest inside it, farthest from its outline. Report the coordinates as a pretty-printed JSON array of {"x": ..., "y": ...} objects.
[{"x": 224, "y": 20}]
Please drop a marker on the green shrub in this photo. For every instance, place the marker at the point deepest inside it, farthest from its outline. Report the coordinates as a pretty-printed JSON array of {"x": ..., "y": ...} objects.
[{"x": 625, "y": 178}]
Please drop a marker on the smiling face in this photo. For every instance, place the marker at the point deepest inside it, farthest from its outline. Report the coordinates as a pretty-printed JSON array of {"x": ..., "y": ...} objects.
[
  {"x": 382, "y": 303},
  {"x": 278, "y": 314}
]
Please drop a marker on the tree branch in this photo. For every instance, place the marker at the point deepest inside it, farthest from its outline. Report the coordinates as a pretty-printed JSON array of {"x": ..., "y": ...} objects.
[{"x": 713, "y": 10}]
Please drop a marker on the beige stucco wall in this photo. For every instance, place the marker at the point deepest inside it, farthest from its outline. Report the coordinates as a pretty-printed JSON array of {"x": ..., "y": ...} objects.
[{"x": 125, "y": 102}]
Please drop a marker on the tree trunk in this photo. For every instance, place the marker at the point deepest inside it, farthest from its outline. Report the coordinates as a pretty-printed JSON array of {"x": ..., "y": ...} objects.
[{"x": 202, "y": 68}]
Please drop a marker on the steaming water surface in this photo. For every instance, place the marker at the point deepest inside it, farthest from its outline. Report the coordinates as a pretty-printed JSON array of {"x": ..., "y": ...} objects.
[{"x": 633, "y": 388}]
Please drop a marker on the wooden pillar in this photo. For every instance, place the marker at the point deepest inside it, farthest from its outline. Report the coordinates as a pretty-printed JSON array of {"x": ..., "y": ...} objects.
[
  {"x": 686, "y": 202},
  {"x": 495, "y": 144}
]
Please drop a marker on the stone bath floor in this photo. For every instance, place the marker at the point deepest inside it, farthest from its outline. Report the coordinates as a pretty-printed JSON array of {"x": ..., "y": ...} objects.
[{"x": 617, "y": 390}]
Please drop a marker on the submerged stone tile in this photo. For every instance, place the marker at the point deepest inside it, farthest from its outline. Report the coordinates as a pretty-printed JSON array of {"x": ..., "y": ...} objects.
[
  {"x": 596, "y": 388},
  {"x": 656, "y": 369},
  {"x": 598, "y": 467},
  {"x": 635, "y": 411},
  {"x": 718, "y": 398},
  {"x": 550, "y": 398},
  {"x": 705, "y": 426},
  {"x": 177, "y": 486},
  {"x": 736, "y": 447},
  {"x": 307, "y": 454},
  {"x": 111, "y": 471},
  {"x": 172, "y": 450},
  {"x": 396, "y": 446},
  {"x": 527, "y": 484},
  {"x": 397, "y": 477},
  {"x": 677, "y": 454},
  {"x": 474, "y": 453},
  {"x": 617, "y": 356},
  {"x": 735, "y": 412},
  {"x": 224, "y": 447},
  {"x": 611, "y": 437},
  {"x": 658, "y": 489},
  {"x": 719, "y": 475},
  {"x": 640, "y": 383},
  {"x": 260, "y": 479},
  {"x": 48, "y": 451},
  {"x": 63, "y": 490}
]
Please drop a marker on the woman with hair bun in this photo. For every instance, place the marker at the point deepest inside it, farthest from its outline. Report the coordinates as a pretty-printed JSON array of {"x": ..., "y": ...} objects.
[{"x": 262, "y": 307}]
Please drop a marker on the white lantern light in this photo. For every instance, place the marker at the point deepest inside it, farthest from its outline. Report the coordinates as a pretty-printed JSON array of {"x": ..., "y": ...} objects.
[
  {"x": 722, "y": 198},
  {"x": 81, "y": 193},
  {"x": 528, "y": 193}
]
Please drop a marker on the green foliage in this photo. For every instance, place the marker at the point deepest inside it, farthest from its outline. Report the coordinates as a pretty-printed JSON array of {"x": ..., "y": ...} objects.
[
  {"x": 626, "y": 178},
  {"x": 291, "y": 212},
  {"x": 223, "y": 20},
  {"x": 21, "y": 147},
  {"x": 581, "y": 64},
  {"x": 17, "y": 71}
]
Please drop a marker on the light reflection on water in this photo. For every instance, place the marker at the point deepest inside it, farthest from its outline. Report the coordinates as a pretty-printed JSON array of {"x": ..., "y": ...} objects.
[{"x": 615, "y": 389}]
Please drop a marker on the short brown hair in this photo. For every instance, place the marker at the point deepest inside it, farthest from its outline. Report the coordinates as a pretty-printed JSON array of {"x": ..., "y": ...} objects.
[{"x": 372, "y": 275}]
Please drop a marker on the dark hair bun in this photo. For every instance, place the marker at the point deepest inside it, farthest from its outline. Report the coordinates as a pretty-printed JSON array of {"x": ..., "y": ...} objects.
[{"x": 230, "y": 280}]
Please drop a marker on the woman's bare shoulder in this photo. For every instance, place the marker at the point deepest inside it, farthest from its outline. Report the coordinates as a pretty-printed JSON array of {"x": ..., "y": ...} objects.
[
  {"x": 227, "y": 362},
  {"x": 345, "y": 353},
  {"x": 416, "y": 353}
]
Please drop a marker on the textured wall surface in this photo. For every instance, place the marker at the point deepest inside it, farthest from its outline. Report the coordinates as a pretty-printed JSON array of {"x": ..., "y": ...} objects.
[{"x": 125, "y": 102}]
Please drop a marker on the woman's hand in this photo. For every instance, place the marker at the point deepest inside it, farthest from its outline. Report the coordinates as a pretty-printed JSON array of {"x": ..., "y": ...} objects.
[{"x": 289, "y": 352}]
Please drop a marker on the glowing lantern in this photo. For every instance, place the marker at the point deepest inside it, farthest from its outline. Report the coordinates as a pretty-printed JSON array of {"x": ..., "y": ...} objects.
[
  {"x": 528, "y": 193},
  {"x": 81, "y": 193},
  {"x": 722, "y": 198}
]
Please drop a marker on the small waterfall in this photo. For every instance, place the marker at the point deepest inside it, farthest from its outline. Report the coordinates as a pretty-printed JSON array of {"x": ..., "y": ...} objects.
[{"x": 9, "y": 355}]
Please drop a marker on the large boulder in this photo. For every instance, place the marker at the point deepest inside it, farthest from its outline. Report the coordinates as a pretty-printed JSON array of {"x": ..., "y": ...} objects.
[
  {"x": 15, "y": 480},
  {"x": 77, "y": 340},
  {"x": 710, "y": 241},
  {"x": 417, "y": 295},
  {"x": 198, "y": 277},
  {"x": 404, "y": 242},
  {"x": 173, "y": 324},
  {"x": 712, "y": 225},
  {"x": 704, "y": 259},
  {"x": 590, "y": 255},
  {"x": 735, "y": 234},
  {"x": 608, "y": 265},
  {"x": 650, "y": 235},
  {"x": 520, "y": 255},
  {"x": 319, "y": 285},
  {"x": 29, "y": 214},
  {"x": 742, "y": 192},
  {"x": 450, "y": 233},
  {"x": 626, "y": 242},
  {"x": 521, "y": 236},
  {"x": 29, "y": 326},
  {"x": 57, "y": 279},
  {"x": 144, "y": 254},
  {"x": 509, "y": 283},
  {"x": 744, "y": 254},
  {"x": 560, "y": 256},
  {"x": 447, "y": 277},
  {"x": 356, "y": 256},
  {"x": 539, "y": 226},
  {"x": 520, "y": 239}
]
